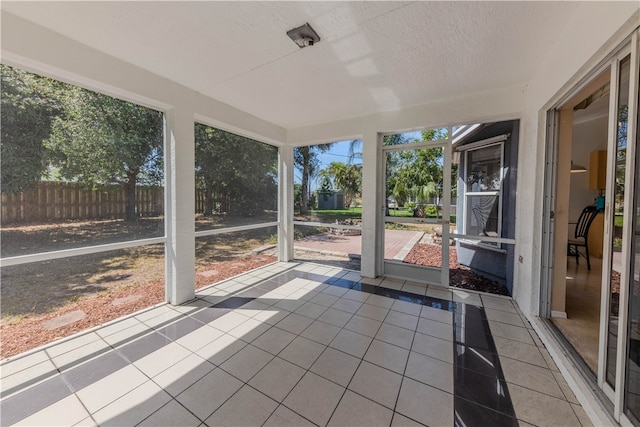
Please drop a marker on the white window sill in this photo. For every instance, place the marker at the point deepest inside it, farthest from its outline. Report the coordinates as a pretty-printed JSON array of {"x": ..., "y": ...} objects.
[{"x": 482, "y": 245}]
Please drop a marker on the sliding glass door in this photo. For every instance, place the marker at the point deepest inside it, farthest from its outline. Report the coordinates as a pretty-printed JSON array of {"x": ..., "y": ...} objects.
[
  {"x": 615, "y": 214},
  {"x": 616, "y": 82},
  {"x": 619, "y": 368},
  {"x": 631, "y": 398},
  {"x": 632, "y": 381}
]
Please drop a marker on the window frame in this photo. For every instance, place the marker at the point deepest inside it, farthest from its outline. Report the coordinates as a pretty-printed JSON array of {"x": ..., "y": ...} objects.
[
  {"x": 495, "y": 193},
  {"x": 55, "y": 254}
]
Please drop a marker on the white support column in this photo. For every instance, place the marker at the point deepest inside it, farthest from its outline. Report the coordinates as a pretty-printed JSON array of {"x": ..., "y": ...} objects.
[
  {"x": 285, "y": 203},
  {"x": 372, "y": 205},
  {"x": 180, "y": 256},
  {"x": 446, "y": 209}
]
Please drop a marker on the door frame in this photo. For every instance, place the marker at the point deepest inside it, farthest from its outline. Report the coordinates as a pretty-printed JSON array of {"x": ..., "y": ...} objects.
[
  {"x": 631, "y": 46},
  {"x": 430, "y": 275},
  {"x": 630, "y": 190}
]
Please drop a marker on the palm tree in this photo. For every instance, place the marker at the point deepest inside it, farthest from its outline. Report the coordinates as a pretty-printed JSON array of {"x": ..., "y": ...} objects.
[
  {"x": 355, "y": 150},
  {"x": 347, "y": 178},
  {"x": 305, "y": 160}
]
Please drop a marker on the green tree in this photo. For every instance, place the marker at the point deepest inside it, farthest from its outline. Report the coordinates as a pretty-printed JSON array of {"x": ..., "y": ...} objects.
[
  {"x": 306, "y": 160},
  {"x": 297, "y": 196},
  {"x": 325, "y": 182},
  {"x": 355, "y": 150},
  {"x": 400, "y": 193},
  {"x": 346, "y": 178},
  {"x": 29, "y": 104},
  {"x": 236, "y": 172},
  {"x": 100, "y": 140},
  {"x": 392, "y": 165},
  {"x": 417, "y": 175},
  {"x": 394, "y": 139}
]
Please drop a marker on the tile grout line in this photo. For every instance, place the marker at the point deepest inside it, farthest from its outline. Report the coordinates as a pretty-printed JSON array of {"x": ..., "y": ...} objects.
[
  {"x": 331, "y": 281},
  {"x": 499, "y": 374},
  {"x": 187, "y": 315},
  {"x": 354, "y": 372},
  {"x": 395, "y": 406}
]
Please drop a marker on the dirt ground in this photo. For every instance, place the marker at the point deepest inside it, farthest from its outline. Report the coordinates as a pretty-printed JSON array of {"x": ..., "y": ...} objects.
[
  {"x": 32, "y": 330},
  {"x": 101, "y": 287},
  {"x": 106, "y": 285},
  {"x": 38, "y": 288}
]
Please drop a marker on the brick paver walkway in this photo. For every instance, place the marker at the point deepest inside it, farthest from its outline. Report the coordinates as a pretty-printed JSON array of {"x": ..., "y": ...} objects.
[{"x": 395, "y": 241}]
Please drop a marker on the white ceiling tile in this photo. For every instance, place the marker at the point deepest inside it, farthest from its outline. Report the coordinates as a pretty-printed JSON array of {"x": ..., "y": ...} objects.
[{"x": 372, "y": 57}]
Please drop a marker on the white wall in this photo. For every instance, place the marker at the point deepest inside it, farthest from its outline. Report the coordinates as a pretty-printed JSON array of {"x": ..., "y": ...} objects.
[
  {"x": 588, "y": 136},
  {"x": 503, "y": 104},
  {"x": 587, "y": 40}
]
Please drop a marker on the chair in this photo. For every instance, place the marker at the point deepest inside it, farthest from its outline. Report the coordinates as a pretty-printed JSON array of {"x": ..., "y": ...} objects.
[{"x": 580, "y": 236}]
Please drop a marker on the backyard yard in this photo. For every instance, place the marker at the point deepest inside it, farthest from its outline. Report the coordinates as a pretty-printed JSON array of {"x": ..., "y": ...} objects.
[{"x": 44, "y": 301}]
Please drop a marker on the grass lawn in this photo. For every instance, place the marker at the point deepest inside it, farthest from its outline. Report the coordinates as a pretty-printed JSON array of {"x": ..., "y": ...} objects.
[
  {"x": 345, "y": 213},
  {"x": 353, "y": 213},
  {"x": 618, "y": 221},
  {"x": 330, "y": 215}
]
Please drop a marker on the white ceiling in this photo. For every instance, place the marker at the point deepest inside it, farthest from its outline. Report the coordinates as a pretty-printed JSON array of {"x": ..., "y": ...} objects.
[{"x": 373, "y": 56}]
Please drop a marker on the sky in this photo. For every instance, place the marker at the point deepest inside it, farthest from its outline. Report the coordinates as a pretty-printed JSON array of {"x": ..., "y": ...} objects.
[{"x": 339, "y": 152}]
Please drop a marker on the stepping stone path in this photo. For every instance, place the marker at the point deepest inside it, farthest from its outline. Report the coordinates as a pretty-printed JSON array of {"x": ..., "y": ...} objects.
[
  {"x": 208, "y": 273},
  {"x": 64, "y": 320},
  {"x": 125, "y": 300}
]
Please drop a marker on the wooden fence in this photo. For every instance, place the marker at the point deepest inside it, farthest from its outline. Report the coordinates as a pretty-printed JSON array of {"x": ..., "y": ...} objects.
[
  {"x": 200, "y": 196},
  {"x": 59, "y": 201}
]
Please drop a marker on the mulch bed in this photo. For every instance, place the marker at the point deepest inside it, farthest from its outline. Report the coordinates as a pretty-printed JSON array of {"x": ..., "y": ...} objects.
[
  {"x": 459, "y": 275},
  {"x": 30, "y": 332}
]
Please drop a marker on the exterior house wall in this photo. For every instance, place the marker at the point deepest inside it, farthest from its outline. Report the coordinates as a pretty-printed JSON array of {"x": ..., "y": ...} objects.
[{"x": 488, "y": 262}]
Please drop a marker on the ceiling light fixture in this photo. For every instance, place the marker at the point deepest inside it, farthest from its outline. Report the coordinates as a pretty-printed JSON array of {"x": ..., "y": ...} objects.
[{"x": 304, "y": 36}]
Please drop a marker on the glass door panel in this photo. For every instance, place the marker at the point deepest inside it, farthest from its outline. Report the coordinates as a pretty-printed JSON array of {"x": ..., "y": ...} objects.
[
  {"x": 415, "y": 201},
  {"x": 616, "y": 216},
  {"x": 413, "y": 214},
  {"x": 632, "y": 387},
  {"x": 632, "y": 380}
]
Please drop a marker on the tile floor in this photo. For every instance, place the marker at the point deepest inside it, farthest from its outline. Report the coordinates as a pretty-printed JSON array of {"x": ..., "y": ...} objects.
[
  {"x": 299, "y": 344},
  {"x": 582, "y": 325}
]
